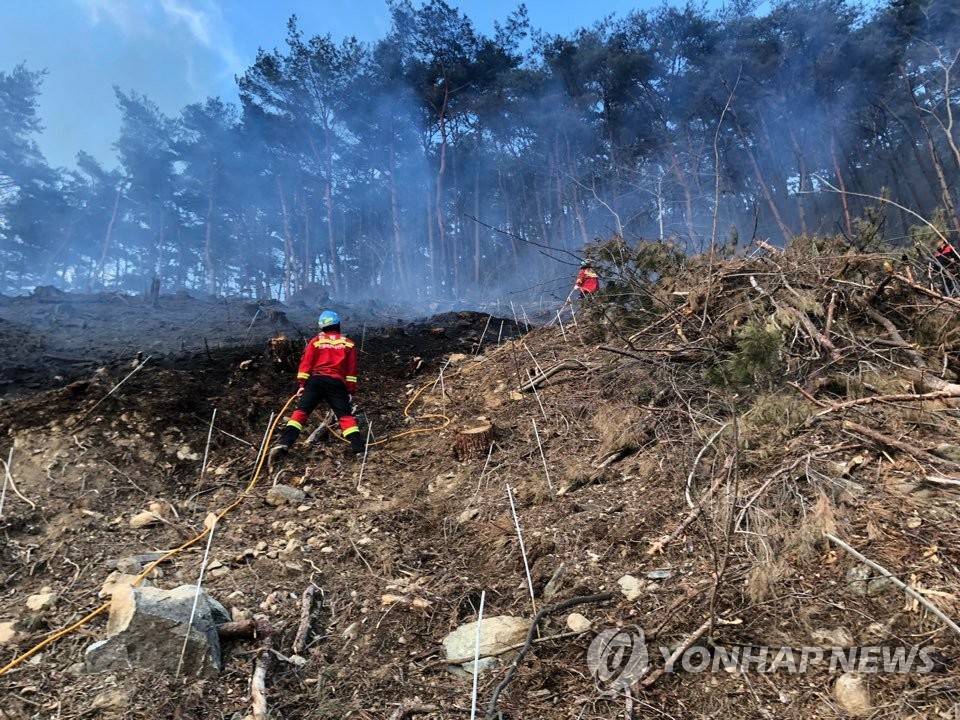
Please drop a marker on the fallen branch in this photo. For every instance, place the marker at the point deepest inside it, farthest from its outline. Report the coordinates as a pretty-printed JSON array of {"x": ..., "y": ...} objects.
[
  {"x": 508, "y": 678},
  {"x": 683, "y": 647},
  {"x": 942, "y": 481},
  {"x": 801, "y": 317},
  {"x": 597, "y": 475},
  {"x": 763, "y": 244},
  {"x": 692, "y": 514},
  {"x": 908, "y": 589},
  {"x": 896, "y": 397},
  {"x": 411, "y": 707},
  {"x": 922, "y": 373},
  {"x": 258, "y": 692},
  {"x": 306, "y": 607},
  {"x": 828, "y": 324},
  {"x": 806, "y": 394},
  {"x": 812, "y": 331},
  {"x": 676, "y": 354},
  {"x": 898, "y": 444},
  {"x": 245, "y": 629},
  {"x": 535, "y": 381},
  {"x": 926, "y": 291}
]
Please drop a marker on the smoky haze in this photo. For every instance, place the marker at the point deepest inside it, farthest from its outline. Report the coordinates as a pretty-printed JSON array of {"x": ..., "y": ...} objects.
[{"x": 439, "y": 166}]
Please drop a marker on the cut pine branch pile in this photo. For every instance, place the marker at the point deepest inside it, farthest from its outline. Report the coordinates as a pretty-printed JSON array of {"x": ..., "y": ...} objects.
[{"x": 833, "y": 379}]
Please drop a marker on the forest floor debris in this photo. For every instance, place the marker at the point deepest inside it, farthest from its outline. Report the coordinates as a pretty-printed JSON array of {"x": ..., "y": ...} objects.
[{"x": 716, "y": 458}]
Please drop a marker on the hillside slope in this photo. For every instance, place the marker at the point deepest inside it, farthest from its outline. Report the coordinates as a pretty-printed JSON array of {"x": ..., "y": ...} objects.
[{"x": 706, "y": 434}]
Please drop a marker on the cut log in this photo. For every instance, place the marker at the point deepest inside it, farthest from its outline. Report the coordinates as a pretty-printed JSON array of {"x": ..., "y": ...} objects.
[{"x": 473, "y": 441}]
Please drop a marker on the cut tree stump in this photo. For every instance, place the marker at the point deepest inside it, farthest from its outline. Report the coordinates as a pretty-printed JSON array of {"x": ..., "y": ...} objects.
[
  {"x": 285, "y": 353},
  {"x": 473, "y": 441}
]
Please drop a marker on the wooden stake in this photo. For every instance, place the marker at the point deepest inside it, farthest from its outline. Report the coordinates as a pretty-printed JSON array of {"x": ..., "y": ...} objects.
[
  {"x": 196, "y": 598},
  {"x": 523, "y": 552},
  {"x": 476, "y": 656},
  {"x": 546, "y": 470},
  {"x": 483, "y": 334}
]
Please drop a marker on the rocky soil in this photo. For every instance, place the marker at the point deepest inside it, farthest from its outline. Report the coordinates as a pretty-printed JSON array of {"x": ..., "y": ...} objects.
[{"x": 648, "y": 496}]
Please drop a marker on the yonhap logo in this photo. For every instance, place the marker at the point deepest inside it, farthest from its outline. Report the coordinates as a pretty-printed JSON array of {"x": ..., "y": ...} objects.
[{"x": 617, "y": 657}]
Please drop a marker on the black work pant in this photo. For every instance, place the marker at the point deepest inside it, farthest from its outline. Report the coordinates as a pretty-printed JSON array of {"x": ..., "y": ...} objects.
[{"x": 320, "y": 388}]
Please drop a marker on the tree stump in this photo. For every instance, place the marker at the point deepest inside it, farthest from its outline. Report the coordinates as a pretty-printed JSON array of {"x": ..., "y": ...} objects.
[
  {"x": 285, "y": 353},
  {"x": 473, "y": 441}
]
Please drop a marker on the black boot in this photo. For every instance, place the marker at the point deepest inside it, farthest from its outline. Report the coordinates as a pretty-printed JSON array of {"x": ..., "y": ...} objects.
[
  {"x": 357, "y": 445},
  {"x": 278, "y": 453}
]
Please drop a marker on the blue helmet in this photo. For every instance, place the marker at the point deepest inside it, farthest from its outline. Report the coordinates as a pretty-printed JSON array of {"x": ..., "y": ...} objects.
[{"x": 328, "y": 318}]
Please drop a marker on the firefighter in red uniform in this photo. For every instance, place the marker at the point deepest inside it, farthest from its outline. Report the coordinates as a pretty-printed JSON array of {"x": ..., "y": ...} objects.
[
  {"x": 328, "y": 371},
  {"x": 947, "y": 257},
  {"x": 588, "y": 282}
]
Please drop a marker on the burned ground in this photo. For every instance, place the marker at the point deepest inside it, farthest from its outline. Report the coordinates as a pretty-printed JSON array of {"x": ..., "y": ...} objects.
[{"x": 671, "y": 447}]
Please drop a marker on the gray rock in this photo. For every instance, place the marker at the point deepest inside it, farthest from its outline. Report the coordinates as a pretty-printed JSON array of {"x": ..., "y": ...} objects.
[
  {"x": 857, "y": 578},
  {"x": 497, "y": 634},
  {"x": 284, "y": 495},
  {"x": 147, "y": 627}
]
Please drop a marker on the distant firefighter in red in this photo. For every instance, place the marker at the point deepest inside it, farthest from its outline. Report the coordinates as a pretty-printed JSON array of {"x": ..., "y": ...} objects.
[
  {"x": 588, "y": 282},
  {"x": 948, "y": 258}
]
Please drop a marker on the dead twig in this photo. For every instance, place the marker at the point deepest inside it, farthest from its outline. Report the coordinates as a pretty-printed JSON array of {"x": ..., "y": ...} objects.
[
  {"x": 807, "y": 395},
  {"x": 8, "y": 479},
  {"x": 245, "y": 630},
  {"x": 306, "y": 607},
  {"x": 508, "y": 678},
  {"x": 909, "y": 590},
  {"x": 543, "y": 375},
  {"x": 681, "y": 649},
  {"x": 696, "y": 461},
  {"x": 896, "y": 397},
  {"x": 411, "y": 707},
  {"x": 898, "y": 444},
  {"x": 692, "y": 514},
  {"x": 258, "y": 691}
]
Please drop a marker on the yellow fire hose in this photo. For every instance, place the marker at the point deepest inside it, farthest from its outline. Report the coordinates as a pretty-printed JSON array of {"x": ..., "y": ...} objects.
[{"x": 193, "y": 541}]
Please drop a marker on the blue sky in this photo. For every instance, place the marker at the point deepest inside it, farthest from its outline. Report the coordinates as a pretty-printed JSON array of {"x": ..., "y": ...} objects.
[{"x": 182, "y": 51}]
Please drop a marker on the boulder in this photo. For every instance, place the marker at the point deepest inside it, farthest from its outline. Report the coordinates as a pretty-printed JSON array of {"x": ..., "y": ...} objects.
[
  {"x": 147, "y": 627},
  {"x": 497, "y": 634}
]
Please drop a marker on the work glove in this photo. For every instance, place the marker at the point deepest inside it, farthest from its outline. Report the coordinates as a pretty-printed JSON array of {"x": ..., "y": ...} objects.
[{"x": 300, "y": 391}]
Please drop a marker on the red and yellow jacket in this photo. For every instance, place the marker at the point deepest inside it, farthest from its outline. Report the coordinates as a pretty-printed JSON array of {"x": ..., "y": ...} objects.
[
  {"x": 332, "y": 355},
  {"x": 588, "y": 281}
]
